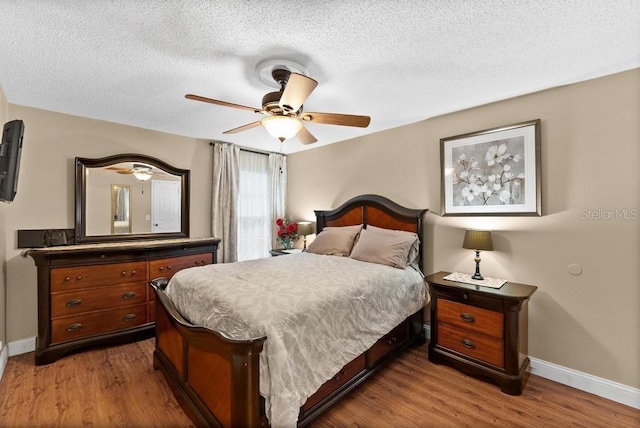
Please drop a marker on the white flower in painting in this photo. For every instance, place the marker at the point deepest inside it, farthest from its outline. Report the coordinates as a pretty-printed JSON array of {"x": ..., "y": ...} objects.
[
  {"x": 462, "y": 157},
  {"x": 464, "y": 174},
  {"x": 504, "y": 196},
  {"x": 466, "y": 193},
  {"x": 521, "y": 175},
  {"x": 508, "y": 176},
  {"x": 507, "y": 167},
  {"x": 495, "y": 154},
  {"x": 491, "y": 178},
  {"x": 497, "y": 187},
  {"x": 517, "y": 158},
  {"x": 474, "y": 164}
]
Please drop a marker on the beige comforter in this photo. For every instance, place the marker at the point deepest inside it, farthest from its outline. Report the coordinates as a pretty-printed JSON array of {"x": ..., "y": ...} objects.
[{"x": 318, "y": 313}]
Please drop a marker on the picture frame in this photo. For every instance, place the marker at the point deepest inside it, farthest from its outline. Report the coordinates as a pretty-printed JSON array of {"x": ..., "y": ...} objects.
[{"x": 493, "y": 172}]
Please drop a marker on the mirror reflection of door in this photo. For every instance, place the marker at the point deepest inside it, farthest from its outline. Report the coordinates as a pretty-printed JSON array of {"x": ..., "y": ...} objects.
[
  {"x": 165, "y": 206},
  {"x": 120, "y": 209}
]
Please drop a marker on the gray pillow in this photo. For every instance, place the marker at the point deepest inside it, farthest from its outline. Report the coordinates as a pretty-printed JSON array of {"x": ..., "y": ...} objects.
[
  {"x": 376, "y": 245},
  {"x": 333, "y": 241}
]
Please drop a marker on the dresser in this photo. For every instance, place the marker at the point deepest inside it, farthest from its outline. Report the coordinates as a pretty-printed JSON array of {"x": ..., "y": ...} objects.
[
  {"x": 481, "y": 331},
  {"x": 98, "y": 294}
]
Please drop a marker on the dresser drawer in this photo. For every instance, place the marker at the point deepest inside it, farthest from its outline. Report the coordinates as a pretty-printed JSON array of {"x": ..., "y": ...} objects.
[
  {"x": 69, "y": 278},
  {"x": 472, "y": 344},
  {"x": 470, "y": 317},
  {"x": 348, "y": 372},
  {"x": 167, "y": 267},
  {"x": 95, "y": 299},
  {"x": 390, "y": 341},
  {"x": 78, "y": 326}
]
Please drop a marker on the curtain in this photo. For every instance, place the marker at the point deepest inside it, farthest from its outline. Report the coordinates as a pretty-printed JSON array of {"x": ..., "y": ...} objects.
[
  {"x": 278, "y": 191},
  {"x": 224, "y": 199},
  {"x": 254, "y": 207}
]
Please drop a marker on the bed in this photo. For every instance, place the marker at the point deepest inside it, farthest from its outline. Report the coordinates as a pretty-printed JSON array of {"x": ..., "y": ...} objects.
[{"x": 225, "y": 373}]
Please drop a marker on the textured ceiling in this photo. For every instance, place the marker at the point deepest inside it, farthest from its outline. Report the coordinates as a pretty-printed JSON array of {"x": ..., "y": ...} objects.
[{"x": 132, "y": 61}]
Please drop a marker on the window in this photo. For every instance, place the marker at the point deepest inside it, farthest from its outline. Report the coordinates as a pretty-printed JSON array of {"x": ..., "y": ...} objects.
[{"x": 254, "y": 206}]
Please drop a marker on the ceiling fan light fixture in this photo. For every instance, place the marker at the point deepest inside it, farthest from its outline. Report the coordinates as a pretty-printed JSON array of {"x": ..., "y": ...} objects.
[
  {"x": 281, "y": 127},
  {"x": 142, "y": 172}
]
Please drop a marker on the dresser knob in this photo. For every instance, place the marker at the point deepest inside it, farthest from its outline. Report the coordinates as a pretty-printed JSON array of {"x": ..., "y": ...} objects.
[
  {"x": 74, "y": 327},
  {"x": 204, "y": 262},
  {"x": 197, "y": 262},
  {"x": 468, "y": 317},
  {"x": 73, "y": 303},
  {"x": 102, "y": 257},
  {"x": 161, "y": 268},
  {"x": 129, "y": 295},
  {"x": 133, "y": 272},
  {"x": 465, "y": 296},
  {"x": 79, "y": 277},
  {"x": 169, "y": 267},
  {"x": 129, "y": 317},
  {"x": 124, "y": 272},
  {"x": 468, "y": 344},
  {"x": 67, "y": 279}
]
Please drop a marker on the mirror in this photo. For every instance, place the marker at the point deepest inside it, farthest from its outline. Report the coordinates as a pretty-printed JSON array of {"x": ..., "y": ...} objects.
[
  {"x": 120, "y": 209},
  {"x": 130, "y": 197}
]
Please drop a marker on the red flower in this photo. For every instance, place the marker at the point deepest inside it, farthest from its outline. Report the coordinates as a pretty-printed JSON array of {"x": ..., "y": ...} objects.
[{"x": 280, "y": 222}]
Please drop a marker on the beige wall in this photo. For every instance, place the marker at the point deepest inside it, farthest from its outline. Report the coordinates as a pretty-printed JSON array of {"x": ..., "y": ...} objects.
[
  {"x": 45, "y": 197},
  {"x": 4, "y": 117},
  {"x": 590, "y": 155}
]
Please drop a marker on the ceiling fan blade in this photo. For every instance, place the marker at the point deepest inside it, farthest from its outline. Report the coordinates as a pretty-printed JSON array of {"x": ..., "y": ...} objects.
[
  {"x": 337, "y": 119},
  {"x": 305, "y": 137},
  {"x": 221, "y": 103},
  {"x": 242, "y": 128},
  {"x": 296, "y": 92}
]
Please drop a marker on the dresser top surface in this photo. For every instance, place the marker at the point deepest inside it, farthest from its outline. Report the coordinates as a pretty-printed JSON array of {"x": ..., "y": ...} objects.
[{"x": 125, "y": 245}]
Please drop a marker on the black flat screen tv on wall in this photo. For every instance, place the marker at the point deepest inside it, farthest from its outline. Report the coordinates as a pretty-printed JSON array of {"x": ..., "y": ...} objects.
[{"x": 10, "y": 151}]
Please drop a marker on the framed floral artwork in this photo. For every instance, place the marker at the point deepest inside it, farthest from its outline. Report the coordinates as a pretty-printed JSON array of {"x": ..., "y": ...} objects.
[{"x": 492, "y": 172}]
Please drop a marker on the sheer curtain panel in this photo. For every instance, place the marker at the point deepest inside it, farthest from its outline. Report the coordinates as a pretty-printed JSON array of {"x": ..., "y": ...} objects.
[
  {"x": 278, "y": 189},
  {"x": 224, "y": 200},
  {"x": 254, "y": 206}
]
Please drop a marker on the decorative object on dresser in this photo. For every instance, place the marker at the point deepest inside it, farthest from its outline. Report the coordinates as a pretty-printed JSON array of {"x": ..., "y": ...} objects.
[
  {"x": 305, "y": 228},
  {"x": 492, "y": 172},
  {"x": 156, "y": 206},
  {"x": 478, "y": 240},
  {"x": 98, "y": 294},
  {"x": 481, "y": 331}
]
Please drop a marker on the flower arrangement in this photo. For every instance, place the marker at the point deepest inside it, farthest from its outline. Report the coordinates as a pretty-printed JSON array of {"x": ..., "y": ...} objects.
[{"x": 287, "y": 232}]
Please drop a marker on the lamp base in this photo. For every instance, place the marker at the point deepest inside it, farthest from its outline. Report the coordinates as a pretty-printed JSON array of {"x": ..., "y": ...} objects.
[{"x": 477, "y": 276}]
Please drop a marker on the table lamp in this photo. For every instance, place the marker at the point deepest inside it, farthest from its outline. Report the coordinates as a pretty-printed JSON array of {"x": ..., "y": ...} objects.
[
  {"x": 305, "y": 228},
  {"x": 478, "y": 240}
]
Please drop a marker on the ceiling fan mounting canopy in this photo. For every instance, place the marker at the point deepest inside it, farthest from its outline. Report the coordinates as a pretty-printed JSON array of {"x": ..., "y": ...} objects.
[{"x": 283, "y": 109}]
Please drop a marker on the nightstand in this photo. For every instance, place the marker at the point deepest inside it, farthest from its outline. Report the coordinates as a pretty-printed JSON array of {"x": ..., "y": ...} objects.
[
  {"x": 481, "y": 331},
  {"x": 277, "y": 253}
]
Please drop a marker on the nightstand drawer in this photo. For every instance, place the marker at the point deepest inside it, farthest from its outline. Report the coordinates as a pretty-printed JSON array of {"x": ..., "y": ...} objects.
[
  {"x": 470, "y": 317},
  {"x": 473, "y": 344}
]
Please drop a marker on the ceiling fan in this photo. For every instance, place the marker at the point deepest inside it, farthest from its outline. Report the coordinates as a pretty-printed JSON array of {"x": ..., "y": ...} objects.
[
  {"x": 283, "y": 109},
  {"x": 140, "y": 171}
]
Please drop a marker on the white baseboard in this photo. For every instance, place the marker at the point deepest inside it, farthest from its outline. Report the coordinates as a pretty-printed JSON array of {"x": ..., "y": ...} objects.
[
  {"x": 4, "y": 356},
  {"x": 22, "y": 346},
  {"x": 585, "y": 382}
]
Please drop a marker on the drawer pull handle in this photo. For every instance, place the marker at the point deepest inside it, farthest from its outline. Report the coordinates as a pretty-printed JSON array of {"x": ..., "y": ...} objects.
[
  {"x": 391, "y": 341},
  {"x": 169, "y": 267},
  {"x": 340, "y": 374},
  {"x": 129, "y": 317},
  {"x": 124, "y": 272},
  {"x": 468, "y": 317},
  {"x": 197, "y": 262},
  {"x": 161, "y": 268},
  {"x": 468, "y": 344},
  {"x": 129, "y": 295},
  {"x": 73, "y": 303},
  {"x": 74, "y": 327},
  {"x": 465, "y": 296},
  {"x": 79, "y": 277},
  {"x": 133, "y": 272},
  {"x": 103, "y": 256},
  {"x": 67, "y": 278}
]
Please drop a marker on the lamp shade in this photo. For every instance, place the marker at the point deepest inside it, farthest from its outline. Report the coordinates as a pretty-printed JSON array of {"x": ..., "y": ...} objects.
[
  {"x": 478, "y": 240},
  {"x": 305, "y": 228},
  {"x": 281, "y": 127}
]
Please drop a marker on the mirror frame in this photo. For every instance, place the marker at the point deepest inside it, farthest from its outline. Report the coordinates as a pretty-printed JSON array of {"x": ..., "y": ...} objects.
[{"x": 81, "y": 165}]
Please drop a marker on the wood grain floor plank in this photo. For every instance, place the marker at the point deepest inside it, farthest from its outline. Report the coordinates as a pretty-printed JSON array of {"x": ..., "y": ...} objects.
[{"x": 117, "y": 387}]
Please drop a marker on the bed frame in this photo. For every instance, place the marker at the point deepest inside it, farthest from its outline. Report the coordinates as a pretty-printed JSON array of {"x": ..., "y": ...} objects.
[{"x": 216, "y": 379}]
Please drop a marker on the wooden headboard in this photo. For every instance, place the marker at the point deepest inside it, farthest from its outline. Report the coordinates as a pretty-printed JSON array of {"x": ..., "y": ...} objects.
[{"x": 376, "y": 211}]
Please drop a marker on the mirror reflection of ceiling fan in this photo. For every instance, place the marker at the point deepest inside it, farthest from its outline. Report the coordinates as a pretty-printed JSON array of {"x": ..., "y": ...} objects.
[
  {"x": 140, "y": 171},
  {"x": 283, "y": 109}
]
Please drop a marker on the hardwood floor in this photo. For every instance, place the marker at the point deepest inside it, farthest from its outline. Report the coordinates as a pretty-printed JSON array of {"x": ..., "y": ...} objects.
[{"x": 117, "y": 386}]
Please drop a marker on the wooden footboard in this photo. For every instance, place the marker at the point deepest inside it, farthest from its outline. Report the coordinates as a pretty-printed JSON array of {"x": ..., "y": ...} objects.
[{"x": 216, "y": 379}]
